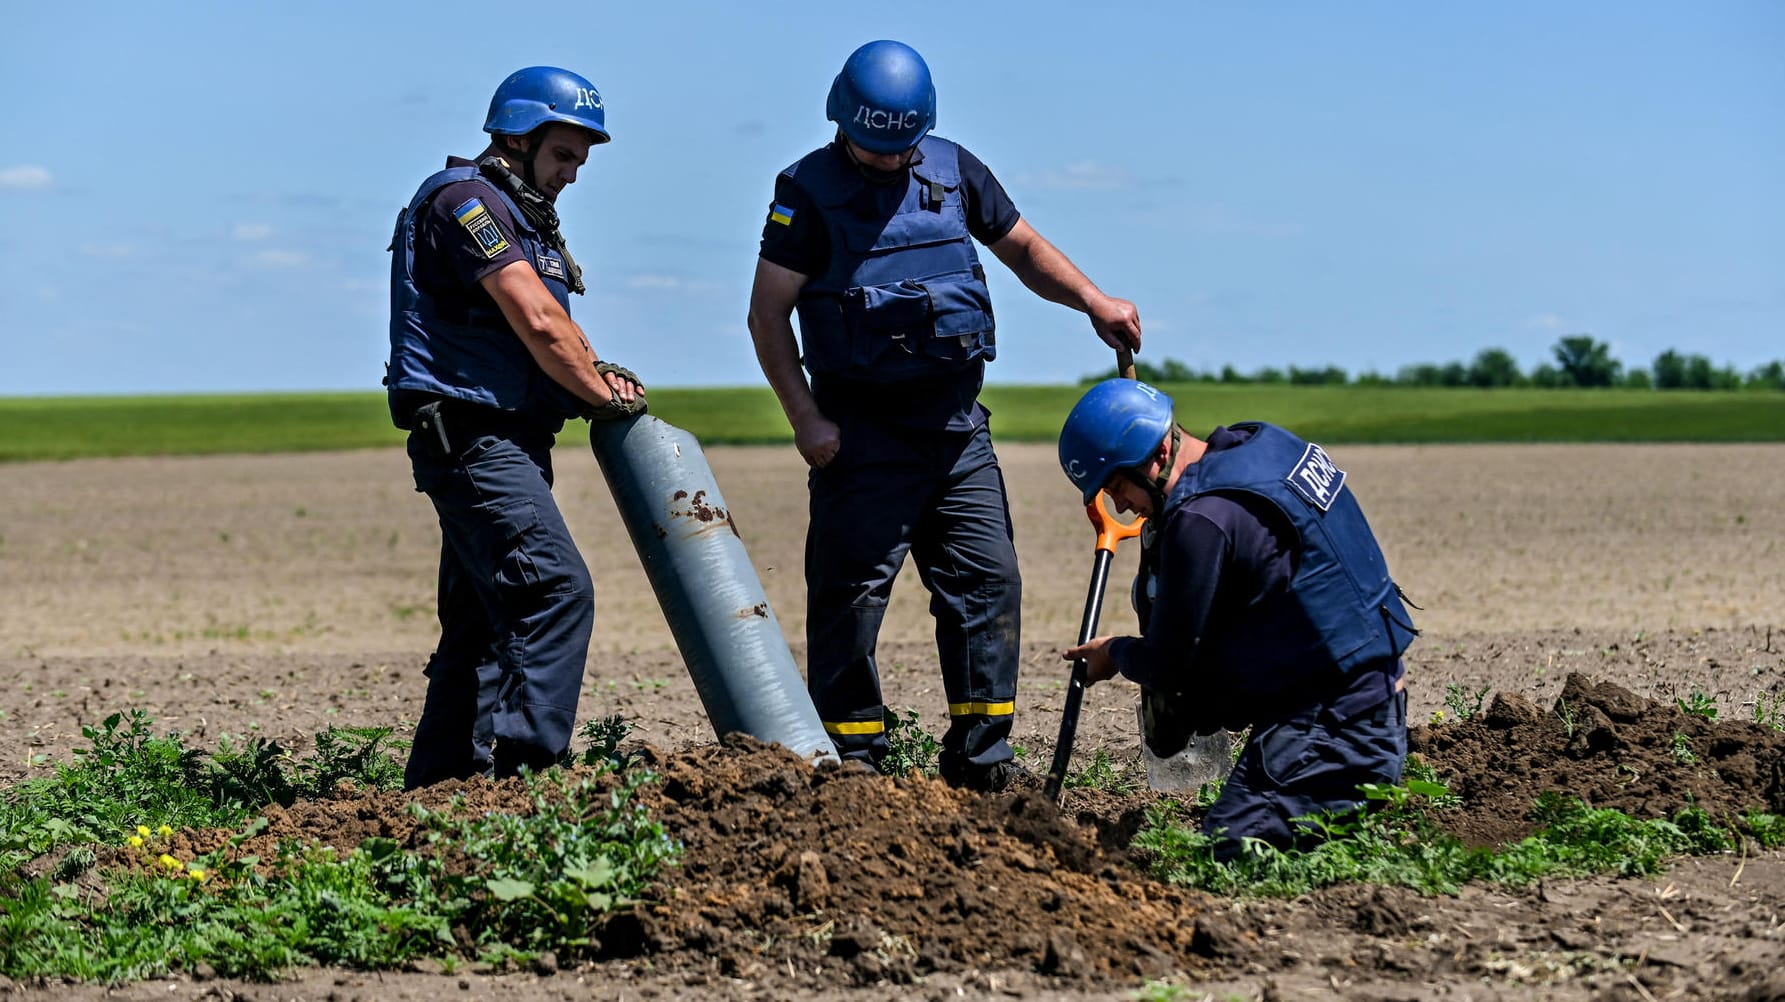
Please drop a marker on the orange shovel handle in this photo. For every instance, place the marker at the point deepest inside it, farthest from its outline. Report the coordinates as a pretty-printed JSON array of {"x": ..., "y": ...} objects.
[{"x": 1109, "y": 531}]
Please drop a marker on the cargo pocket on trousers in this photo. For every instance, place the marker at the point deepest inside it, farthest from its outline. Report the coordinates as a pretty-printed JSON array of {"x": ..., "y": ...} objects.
[
  {"x": 511, "y": 528},
  {"x": 1286, "y": 751}
]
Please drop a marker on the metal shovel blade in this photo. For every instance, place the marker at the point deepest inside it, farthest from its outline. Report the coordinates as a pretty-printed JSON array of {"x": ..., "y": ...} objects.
[{"x": 1208, "y": 758}]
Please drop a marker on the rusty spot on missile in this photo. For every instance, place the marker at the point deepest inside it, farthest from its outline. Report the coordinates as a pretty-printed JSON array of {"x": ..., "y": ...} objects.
[
  {"x": 699, "y": 510},
  {"x": 662, "y": 533},
  {"x": 698, "y": 507},
  {"x": 759, "y": 609},
  {"x": 679, "y": 495}
]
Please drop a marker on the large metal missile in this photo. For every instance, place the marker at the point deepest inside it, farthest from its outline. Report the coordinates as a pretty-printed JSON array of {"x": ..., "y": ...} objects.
[{"x": 727, "y": 633}]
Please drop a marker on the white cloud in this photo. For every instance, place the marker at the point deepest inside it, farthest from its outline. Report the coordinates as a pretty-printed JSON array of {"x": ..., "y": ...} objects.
[
  {"x": 1545, "y": 322},
  {"x": 1085, "y": 176},
  {"x": 251, "y": 231},
  {"x": 281, "y": 259},
  {"x": 25, "y": 176},
  {"x": 648, "y": 282},
  {"x": 658, "y": 283}
]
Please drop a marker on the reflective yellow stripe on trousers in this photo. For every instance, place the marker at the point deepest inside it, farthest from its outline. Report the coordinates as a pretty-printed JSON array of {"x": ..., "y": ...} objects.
[
  {"x": 842, "y": 727},
  {"x": 982, "y": 709}
]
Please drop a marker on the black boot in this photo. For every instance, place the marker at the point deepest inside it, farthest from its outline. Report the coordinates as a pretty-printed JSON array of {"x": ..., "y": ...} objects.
[{"x": 511, "y": 756}]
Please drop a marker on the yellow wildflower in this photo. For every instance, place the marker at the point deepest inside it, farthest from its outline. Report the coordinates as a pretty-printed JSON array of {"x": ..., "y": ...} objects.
[
  {"x": 170, "y": 862},
  {"x": 164, "y": 831},
  {"x": 135, "y": 841},
  {"x": 197, "y": 873},
  {"x": 143, "y": 830}
]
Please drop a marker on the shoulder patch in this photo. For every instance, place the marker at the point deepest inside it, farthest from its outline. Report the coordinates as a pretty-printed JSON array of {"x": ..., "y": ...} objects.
[
  {"x": 779, "y": 213},
  {"x": 551, "y": 267},
  {"x": 482, "y": 227},
  {"x": 1316, "y": 478}
]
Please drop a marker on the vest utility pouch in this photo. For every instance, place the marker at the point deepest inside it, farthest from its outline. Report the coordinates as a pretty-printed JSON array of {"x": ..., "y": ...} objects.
[
  {"x": 888, "y": 327},
  {"x": 911, "y": 330},
  {"x": 961, "y": 321}
]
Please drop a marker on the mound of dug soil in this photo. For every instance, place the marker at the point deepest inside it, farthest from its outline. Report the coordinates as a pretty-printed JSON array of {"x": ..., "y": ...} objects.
[
  {"x": 1607, "y": 746},
  {"x": 790, "y": 865}
]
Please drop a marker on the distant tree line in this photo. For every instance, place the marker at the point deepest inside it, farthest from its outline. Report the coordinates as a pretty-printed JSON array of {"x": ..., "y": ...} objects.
[{"x": 1580, "y": 360}]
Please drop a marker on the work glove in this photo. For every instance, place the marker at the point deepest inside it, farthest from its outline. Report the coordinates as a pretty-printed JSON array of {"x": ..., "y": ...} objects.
[{"x": 616, "y": 409}]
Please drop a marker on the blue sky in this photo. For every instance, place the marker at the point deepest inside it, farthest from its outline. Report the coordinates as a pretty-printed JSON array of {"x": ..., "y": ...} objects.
[{"x": 198, "y": 195}]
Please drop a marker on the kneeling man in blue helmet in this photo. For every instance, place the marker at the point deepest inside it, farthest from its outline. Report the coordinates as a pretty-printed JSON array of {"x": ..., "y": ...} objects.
[
  {"x": 485, "y": 367},
  {"x": 1264, "y": 602},
  {"x": 870, "y": 239}
]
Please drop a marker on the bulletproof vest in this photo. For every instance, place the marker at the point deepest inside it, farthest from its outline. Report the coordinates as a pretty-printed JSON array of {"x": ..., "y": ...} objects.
[
  {"x": 471, "y": 355},
  {"x": 904, "y": 296},
  {"x": 1341, "y": 609}
]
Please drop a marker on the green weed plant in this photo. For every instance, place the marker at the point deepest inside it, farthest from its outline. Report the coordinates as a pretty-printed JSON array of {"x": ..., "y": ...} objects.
[
  {"x": 1769, "y": 710},
  {"x": 1464, "y": 704},
  {"x": 128, "y": 776},
  {"x": 498, "y": 887},
  {"x": 910, "y": 748},
  {"x": 1698, "y": 704},
  {"x": 1396, "y": 843},
  {"x": 1102, "y": 773}
]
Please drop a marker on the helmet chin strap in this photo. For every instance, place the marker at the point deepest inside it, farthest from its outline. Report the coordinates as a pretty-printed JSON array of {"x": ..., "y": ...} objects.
[
  {"x": 872, "y": 173},
  {"x": 1155, "y": 488},
  {"x": 525, "y": 159}
]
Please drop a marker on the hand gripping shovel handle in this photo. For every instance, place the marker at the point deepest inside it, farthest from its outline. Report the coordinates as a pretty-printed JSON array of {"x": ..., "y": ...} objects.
[
  {"x": 1125, "y": 363},
  {"x": 1109, "y": 533}
]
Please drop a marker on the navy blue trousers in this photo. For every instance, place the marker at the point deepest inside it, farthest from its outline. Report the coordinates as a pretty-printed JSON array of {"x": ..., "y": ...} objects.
[
  {"x": 1311, "y": 763},
  {"x": 516, "y": 609},
  {"x": 939, "y": 497}
]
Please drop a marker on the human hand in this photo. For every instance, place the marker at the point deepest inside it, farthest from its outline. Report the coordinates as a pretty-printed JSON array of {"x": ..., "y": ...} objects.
[
  {"x": 818, "y": 440},
  {"x": 1117, "y": 322},
  {"x": 626, "y": 395},
  {"x": 1099, "y": 666}
]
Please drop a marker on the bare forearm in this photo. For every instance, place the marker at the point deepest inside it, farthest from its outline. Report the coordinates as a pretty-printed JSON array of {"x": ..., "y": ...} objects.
[
  {"x": 1050, "y": 274},
  {"x": 554, "y": 340},
  {"x": 778, "y": 354},
  {"x": 564, "y": 354}
]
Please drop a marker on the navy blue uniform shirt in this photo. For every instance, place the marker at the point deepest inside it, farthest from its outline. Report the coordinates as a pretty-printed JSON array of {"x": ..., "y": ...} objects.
[
  {"x": 449, "y": 262},
  {"x": 1227, "y": 552}
]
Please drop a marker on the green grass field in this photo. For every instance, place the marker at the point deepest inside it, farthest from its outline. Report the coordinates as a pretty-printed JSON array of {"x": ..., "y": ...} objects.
[{"x": 79, "y": 427}]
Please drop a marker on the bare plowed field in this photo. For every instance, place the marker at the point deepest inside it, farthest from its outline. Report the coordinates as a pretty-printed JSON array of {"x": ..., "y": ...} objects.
[{"x": 280, "y": 595}]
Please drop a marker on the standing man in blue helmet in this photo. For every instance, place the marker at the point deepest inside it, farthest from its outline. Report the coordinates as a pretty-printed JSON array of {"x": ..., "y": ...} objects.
[
  {"x": 485, "y": 367},
  {"x": 871, "y": 241},
  {"x": 1264, "y": 601}
]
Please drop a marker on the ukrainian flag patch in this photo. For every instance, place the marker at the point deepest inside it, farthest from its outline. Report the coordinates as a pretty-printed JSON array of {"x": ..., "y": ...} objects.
[
  {"x": 779, "y": 213},
  {"x": 482, "y": 226}
]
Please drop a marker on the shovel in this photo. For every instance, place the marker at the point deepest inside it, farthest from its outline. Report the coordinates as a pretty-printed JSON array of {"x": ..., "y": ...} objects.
[{"x": 1109, "y": 533}]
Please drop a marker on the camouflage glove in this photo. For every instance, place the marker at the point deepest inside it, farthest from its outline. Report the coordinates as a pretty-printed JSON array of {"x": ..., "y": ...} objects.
[{"x": 616, "y": 409}]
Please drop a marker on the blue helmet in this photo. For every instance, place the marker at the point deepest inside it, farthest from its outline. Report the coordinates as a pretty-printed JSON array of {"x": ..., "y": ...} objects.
[
  {"x": 1116, "y": 425},
  {"x": 540, "y": 95},
  {"x": 883, "y": 100}
]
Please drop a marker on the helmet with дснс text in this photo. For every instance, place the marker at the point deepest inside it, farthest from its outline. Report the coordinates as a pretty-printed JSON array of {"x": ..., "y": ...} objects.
[
  {"x": 1117, "y": 425},
  {"x": 541, "y": 95},
  {"x": 883, "y": 99}
]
